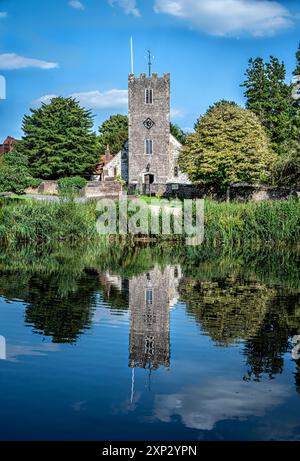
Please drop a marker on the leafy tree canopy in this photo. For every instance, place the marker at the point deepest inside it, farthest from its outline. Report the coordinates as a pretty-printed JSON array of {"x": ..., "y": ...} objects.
[
  {"x": 114, "y": 132},
  {"x": 229, "y": 145},
  {"x": 287, "y": 168},
  {"x": 14, "y": 174},
  {"x": 58, "y": 140}
]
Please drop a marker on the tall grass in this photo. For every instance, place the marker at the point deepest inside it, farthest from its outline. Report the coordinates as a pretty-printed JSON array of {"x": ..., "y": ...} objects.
[
  {"x": 34, "y": 221},
  {"x": 251, "y": 223},
  {"x": 228, "y": 224}
]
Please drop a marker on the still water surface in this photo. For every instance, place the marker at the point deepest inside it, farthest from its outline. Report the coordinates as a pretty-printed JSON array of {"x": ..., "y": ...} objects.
[{"x": 149, "y": 344}]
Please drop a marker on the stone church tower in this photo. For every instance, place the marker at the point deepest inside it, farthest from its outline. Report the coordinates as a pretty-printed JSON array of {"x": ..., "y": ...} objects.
[
  {"x": 150, "y": 156},
  {"x": 149, "y": 129}
]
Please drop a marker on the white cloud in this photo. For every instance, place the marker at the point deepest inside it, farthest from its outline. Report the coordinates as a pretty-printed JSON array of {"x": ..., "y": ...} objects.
[
  {"x": 201, "y": 407},
  {"x": 45, "y": 99},
  {"x": 229, "y": 17},
  {"x": 106, "y": 100},
  {"x": 111, "y": 99},
  {"x": 11, "y": 61},
  {"x": 176, "y": 113},
  {"x": 129, "y": 6},
  {"x": 14, "y": 352},
  {"x": 3, "y": 14},
  {"x": 76, "y": 4}
]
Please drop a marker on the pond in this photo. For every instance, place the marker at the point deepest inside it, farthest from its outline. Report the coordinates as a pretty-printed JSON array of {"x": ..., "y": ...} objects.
[{"x": 148, "y": 343}]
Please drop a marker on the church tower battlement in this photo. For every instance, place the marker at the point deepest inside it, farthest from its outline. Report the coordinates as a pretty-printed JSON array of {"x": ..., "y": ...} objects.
[{"x": 149, "y": 128}]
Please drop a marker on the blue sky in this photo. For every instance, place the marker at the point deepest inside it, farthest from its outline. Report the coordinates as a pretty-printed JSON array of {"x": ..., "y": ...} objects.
[{"x": 81, "y": 48}]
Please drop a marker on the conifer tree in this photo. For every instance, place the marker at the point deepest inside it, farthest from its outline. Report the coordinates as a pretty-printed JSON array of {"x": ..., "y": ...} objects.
[
  {"x": 296, "y": 103},
  {"x": 297, "y": 69},
  {"x": 257, "y": 89},
  {"x": 58, "y": 140},
  {"x": 268, "y": 96},
  {"x": 287, "y": 168},
  {"x": 114, "y": 131},
  {"x": 280, "y": 110}
]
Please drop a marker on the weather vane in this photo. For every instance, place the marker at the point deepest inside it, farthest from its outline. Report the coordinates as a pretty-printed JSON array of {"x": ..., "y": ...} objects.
[{"x": 150, "y": 57}]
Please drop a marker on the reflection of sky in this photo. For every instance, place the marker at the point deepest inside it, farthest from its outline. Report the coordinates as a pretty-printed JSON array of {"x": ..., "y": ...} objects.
[
  {"x": 104, "y": 315},
  {"x": 15, "y": 351},
  {"x": 201, "y": 407},
  {"x": 2, "y": 348}
]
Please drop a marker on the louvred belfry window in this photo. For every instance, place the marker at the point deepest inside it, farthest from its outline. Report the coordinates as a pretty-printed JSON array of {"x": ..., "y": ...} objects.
[{"x": 149, "y": 96}]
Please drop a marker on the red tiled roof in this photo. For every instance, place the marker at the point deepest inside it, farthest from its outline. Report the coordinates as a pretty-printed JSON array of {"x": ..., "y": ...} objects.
[
  {"x": 7, "y": 145},
  {"x": 9, "y": 140}
]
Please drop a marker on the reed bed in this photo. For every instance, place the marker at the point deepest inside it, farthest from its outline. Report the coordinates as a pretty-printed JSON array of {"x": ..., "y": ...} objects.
[{"x": 228, "y": 224}]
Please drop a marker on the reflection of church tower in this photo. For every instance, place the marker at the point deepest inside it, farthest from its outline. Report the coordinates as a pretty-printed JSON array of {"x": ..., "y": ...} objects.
[{"x": 150, "y": 297}]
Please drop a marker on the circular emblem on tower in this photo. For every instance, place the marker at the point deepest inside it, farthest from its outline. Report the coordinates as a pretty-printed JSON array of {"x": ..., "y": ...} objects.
[{"x": 148, "y": 123}]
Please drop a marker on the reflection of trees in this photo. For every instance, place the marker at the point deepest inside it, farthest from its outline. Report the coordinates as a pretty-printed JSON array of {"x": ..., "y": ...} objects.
[
  {"x": 227, "y": 309},
  {"x": 63, "y": 318},
  {"x": 58, "y": 286},
  {"x": 57, "y": 306},
  {"x": 264, "y": 317},
  {"x": 265, "y": 351}
]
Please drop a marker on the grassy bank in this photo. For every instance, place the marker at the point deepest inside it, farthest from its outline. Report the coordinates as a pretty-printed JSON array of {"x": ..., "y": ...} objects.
[
  {"x": 42, "y": 221},
  {"x": 238, "y": 223},
  {"x": 225, "y": 223}
]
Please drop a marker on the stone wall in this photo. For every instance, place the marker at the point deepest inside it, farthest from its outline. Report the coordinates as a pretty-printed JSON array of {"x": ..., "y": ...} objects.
[
  {"x": 182, "y": 191},
  {"x": 239, "y": 192},
  {"x": 108, "y": 189},
  {"x": 46, "y": 187},
  {"x": 260, "y": 193},
  {"x": 103, "y": 189}
]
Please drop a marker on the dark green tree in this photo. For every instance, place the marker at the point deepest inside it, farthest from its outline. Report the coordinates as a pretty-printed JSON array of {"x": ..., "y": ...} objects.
[
  {"x": 287, "y": 168},
  {"x": 257, "y": 89},
  {"x": 229, "y": 145},
  {"x": 114, "y": 132},
  {"x": 178, "y": 133},
  {"x": 269, "y": 97},
  {"x": 58, "y": 140},
  {"x": 297, "y": 70},
  {"x": 280, "y": 110},
  {"x": 296, "y": 102},
  {"x": 14, "y": 173}
]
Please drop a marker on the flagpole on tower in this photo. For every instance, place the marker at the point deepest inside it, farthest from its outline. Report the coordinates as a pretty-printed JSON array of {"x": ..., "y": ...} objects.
[{"x": 131, "y": 53}]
